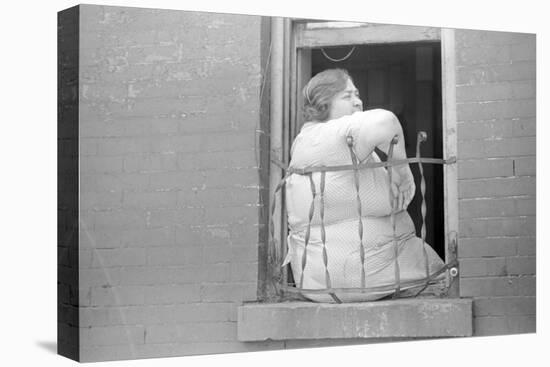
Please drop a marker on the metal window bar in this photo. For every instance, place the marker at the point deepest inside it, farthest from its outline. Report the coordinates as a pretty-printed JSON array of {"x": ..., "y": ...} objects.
[
  {"x": 393, "y": 204},
  {"x": 275, "y": 252},
  {"x": 308, "y": 229},
  {"x": 359, "y": 210},
  {"x": 422, "y": 137},
  {"x": 323, "y": 235}
]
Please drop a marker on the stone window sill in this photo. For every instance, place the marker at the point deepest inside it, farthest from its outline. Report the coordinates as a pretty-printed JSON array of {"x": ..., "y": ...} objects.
[{"x": 412, "y": 317}]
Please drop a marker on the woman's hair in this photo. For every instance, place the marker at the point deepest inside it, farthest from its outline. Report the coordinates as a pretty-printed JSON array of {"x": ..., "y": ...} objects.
[{"x": 320, "y": 90}]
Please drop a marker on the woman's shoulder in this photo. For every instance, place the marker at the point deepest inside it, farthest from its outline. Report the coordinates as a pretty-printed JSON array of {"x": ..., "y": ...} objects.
[
  {"x": 357, "y": 118},
  {"x": 350, "y": 125},
  {"x": 368, "y": 115}
]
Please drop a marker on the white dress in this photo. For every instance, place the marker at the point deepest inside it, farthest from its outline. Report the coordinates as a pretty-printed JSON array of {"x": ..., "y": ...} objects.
[{"x": 325, "y": 144}]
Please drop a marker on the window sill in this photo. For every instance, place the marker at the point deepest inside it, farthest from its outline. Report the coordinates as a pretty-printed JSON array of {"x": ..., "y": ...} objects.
[{"x": 412, "y": 317}]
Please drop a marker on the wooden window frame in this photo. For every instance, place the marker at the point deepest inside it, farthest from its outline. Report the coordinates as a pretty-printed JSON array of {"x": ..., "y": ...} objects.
[{"x": 295, "y": 38}]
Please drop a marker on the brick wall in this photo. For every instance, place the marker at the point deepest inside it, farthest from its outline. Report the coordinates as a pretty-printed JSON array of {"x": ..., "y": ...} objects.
[
  {"x": 67, "y": 180},
  {"x": 169, "y": 180},
  {"x": 173, "y": 163},
  {"x": 496, "y": 169}
]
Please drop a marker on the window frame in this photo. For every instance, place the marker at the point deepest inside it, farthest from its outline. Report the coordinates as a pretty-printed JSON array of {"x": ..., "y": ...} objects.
[{"x": 291, "y": 43}]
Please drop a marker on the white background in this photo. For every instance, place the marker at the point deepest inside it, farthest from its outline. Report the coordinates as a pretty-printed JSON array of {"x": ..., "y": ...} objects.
[{"x": 28, "y": 184}]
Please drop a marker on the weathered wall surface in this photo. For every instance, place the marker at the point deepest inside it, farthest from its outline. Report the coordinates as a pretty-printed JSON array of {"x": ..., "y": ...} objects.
[
  {"x": 169, "y": 180},
  {"x": 172, "y": 166},
  {"x": 67, "y": 183},
  {"x": 496, "y": 167}
]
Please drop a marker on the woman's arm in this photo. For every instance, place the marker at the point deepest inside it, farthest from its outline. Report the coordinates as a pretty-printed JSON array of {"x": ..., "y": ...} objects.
[{"x": 377, "y": 131}]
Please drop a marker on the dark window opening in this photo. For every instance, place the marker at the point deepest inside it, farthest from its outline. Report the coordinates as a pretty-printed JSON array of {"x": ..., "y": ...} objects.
[{"x": 404, "y": 78}]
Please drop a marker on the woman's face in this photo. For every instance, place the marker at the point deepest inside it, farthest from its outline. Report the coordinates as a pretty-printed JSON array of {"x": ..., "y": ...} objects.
[{"x": 345, "y": 102}]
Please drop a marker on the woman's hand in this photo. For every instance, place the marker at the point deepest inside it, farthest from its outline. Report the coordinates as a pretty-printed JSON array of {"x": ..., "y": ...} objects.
[{"x": 402, "y": 186}]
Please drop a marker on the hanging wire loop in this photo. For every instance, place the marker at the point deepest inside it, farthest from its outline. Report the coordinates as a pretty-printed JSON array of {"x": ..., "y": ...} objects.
[{"x": 338, "y": 60}]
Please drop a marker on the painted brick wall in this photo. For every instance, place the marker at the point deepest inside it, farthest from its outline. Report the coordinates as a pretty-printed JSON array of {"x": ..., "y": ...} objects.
[
  {"x": 172, "y": 175},
  {"x": 67, "y": 181},
  {"x": 496, "y": 168},
  {"x": 169, "y": 180}
]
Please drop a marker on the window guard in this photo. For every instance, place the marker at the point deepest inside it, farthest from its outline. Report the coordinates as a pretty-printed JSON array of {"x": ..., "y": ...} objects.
[{"x": 276, "y": 253}]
